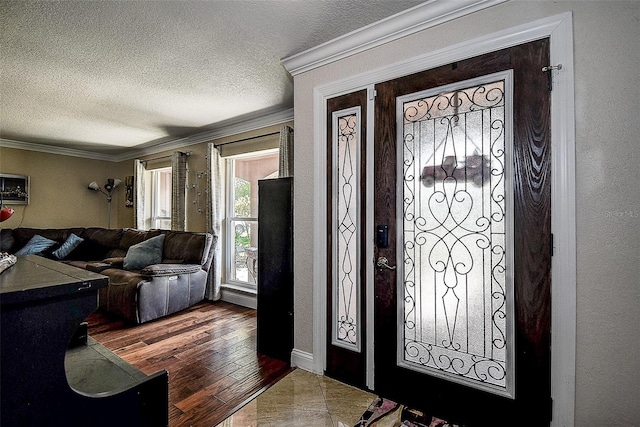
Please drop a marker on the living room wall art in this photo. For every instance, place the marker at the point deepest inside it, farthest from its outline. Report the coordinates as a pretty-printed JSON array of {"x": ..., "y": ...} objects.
[{"x": 14, "y": 189}]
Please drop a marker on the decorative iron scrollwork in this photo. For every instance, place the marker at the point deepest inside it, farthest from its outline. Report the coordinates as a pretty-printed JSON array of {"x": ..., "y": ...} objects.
[
  {"x": 454, "y": 232},
  {"x": 345, "y": 291}
]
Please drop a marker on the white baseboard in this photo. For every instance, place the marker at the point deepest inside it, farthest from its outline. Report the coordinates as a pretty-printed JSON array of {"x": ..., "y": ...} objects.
[
  {"x": 303, "y": 360},
  {"x": 238, "y": 297}
]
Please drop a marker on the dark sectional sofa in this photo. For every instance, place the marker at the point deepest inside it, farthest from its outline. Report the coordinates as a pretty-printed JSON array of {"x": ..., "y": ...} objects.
[{"x": 138, "y": 293}]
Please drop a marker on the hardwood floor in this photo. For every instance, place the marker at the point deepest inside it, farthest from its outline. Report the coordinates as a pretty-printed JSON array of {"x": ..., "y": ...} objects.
[{"x": 209, "y": 351}]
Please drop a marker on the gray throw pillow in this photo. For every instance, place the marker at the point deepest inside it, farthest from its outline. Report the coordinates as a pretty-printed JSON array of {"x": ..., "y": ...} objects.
[
  {"x": 144, "y": 253},
  {"x": 69, "y": 245},
  {"x": 36, "y": 245}
]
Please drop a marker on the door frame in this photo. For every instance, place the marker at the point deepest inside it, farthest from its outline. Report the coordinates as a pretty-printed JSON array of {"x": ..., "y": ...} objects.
[{"x": 559, "y": 29}]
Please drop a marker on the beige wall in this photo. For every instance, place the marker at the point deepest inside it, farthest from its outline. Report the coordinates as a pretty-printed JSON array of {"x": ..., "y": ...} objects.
[
  {"x": 607, "y": 64},
  {"x": 58, "y": 195}
]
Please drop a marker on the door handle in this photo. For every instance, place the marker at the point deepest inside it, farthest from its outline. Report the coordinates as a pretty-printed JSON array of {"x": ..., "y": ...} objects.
[{"x": 384, "y": 262}]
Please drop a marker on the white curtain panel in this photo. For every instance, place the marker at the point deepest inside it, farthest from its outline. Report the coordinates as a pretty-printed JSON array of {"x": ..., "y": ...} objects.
[
  {"x": 178, "y": 190},
  {"x": 214, "y": 219},
  {"x": 138, "y": 194},
  {"x": 286, "y": 151}
]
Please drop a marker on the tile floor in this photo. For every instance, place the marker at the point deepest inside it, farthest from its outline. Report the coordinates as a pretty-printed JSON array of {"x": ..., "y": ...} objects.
[{"x": 303, "y": 399}]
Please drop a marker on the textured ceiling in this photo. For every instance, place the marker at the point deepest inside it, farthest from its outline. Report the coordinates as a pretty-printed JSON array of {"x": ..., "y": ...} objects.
[{"x": 108, "y": 76}]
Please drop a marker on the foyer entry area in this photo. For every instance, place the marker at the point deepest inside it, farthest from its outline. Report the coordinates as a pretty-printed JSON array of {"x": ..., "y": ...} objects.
[{"x": 457, "y": 275}]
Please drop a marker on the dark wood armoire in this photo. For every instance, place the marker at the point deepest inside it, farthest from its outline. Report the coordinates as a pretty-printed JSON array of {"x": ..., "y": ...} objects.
[{"x": 275, "y": 268}]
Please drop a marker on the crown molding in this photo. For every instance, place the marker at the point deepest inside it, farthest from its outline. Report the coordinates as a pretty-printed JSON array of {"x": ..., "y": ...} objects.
[
  {"x": 52, "y": 149},
  {"x": 227, "y": 128},
  {"x": 410, "y": 21}
]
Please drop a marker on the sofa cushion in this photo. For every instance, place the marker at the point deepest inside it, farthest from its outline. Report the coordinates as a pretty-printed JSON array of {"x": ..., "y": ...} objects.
[
  {"x": 121, "y": 296},
  {"x": 36, "y": 245},
  {"x": 88, "y": 250},
  {"x": 186, "y": 247},
  {"x": 108, "y": 238},
  {"x": 145, "y": 253},
  {"x": 115, "y": 262},
  {"x": 23, "y": 235},
  {"x": 97, "y": 267},
  {"x": 132, "y": 237},
  {"x": 67, "y": 247}
]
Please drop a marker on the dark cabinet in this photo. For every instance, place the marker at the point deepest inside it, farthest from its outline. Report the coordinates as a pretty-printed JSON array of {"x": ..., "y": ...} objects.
[
  {"x": 275, "y": 268},
  {"x": 43, "y": 383}
]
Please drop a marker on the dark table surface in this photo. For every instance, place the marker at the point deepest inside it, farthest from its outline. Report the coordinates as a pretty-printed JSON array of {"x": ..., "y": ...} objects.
[{"x": 34, "y": 277}]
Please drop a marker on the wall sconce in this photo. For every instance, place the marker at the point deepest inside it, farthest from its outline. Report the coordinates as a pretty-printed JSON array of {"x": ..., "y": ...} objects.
[{"x": 109, "y": 187}]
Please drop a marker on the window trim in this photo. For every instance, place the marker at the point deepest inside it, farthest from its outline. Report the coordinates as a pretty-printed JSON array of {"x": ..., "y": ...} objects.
[
  {"x": 230, "y": 217},
  {"x": 155, "y": 189}
]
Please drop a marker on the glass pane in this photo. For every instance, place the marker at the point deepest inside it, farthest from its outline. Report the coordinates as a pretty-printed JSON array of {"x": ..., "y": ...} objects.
[
  {"x": 242, "y": 198},
  {"x": 163, "y": 207},
  {"x": 243, "y": 228},
  {"x": 248, "y": 170},
  {"x": 164, "y": 224},
  {"x": 245, "y": 252},
  {"x": 161, "y": 188},
  {"x": 454, "y": 313},
  {"x": 346, "y": 281}
]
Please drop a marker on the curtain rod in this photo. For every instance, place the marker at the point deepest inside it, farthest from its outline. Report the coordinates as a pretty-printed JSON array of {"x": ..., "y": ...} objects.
[
  {"x": 188, "y": 153},
  {"x": 247, "y": 139}
]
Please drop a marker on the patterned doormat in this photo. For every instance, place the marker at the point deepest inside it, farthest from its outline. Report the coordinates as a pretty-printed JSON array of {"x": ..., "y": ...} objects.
[{"x": 386, "y": 413}]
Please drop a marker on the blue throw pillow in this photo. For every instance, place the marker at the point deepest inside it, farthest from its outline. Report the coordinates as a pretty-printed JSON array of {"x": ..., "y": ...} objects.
[
  {"x": 36, "y": 245},
  {"x": 144, "y": 253},
  {"x": 70, "y": 244}
]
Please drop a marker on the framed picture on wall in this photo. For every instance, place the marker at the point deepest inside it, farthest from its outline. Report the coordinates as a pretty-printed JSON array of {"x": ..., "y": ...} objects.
[{"x": 14, "y": 189}]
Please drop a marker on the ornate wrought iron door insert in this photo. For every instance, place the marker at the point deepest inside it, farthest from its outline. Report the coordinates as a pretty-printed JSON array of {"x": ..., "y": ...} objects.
[
  {"x": 346, "y": 187},
  {"x": 455, "y": 302}
]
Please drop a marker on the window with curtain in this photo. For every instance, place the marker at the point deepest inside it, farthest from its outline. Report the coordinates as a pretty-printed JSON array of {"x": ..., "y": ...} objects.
[
  {"x": 232, "y": 214},
  {"x": 243, "y": 173},
  {"x": 156, "y": 199},
  {"x": 160, "y": 198},
  {"x": 160, "y": 185}
]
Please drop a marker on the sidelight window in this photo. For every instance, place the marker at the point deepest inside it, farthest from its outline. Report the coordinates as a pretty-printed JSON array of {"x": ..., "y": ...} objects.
[{"x": 346, "y": 228}]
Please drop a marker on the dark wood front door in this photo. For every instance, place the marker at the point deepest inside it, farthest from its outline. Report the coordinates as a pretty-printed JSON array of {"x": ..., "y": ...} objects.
[{"x": 463, "y": 181}]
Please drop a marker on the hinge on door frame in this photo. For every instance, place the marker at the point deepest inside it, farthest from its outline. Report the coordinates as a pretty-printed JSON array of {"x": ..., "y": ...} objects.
[
  {"x": 372, "y": 94},
  {"x": 550, "y": 409},
  {"x": 548, "y": 69},
  {"x": 551, "y": 241}
]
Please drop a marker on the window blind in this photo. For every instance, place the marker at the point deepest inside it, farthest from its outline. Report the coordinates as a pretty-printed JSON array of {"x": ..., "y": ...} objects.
[{"x": 248, "y": 145}]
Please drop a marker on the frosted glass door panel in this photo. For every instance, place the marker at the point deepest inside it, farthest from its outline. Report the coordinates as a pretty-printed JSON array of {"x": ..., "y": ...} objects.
[
  {"x": 455, "y": 305},
  {"x": 346, "y": 187}
]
